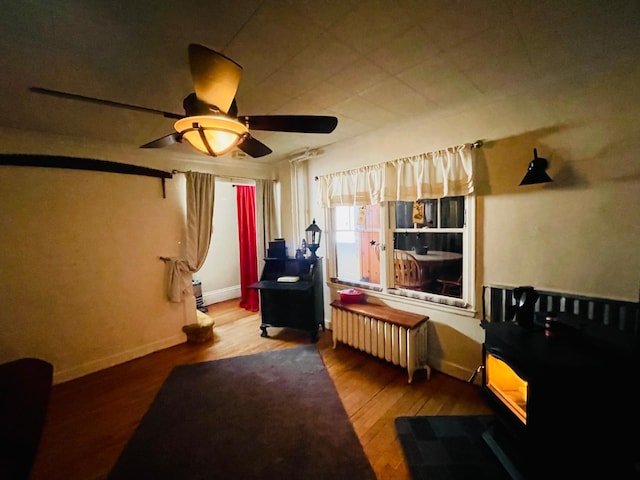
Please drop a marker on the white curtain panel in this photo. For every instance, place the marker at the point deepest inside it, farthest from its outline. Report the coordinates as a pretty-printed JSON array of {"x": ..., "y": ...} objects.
[{"x": 443, "y": 173}]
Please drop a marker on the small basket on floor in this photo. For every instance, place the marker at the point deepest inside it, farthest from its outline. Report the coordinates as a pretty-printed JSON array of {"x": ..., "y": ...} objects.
[{"x": 200, "y": 332}]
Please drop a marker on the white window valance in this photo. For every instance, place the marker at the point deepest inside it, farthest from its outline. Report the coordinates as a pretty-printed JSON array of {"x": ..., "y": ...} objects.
[{"x": 443, "y": 173}]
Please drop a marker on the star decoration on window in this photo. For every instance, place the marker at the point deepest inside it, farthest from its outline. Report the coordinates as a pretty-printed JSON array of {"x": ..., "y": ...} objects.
[{"x": 373, "y": 243}]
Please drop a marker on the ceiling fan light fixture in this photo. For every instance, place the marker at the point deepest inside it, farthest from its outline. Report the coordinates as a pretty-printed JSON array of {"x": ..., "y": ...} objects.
[
  {"x": 210, "y": 134},
  {"x": 210, "y": 122}
]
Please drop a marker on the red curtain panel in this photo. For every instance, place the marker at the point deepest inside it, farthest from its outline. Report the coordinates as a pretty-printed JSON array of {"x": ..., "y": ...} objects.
[{"x": 246, "y": 204}]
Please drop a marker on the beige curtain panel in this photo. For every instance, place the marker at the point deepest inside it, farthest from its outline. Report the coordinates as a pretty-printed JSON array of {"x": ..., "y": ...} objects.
[
  {"x": 443, "y": 173},
  {"x": 267, "y": 219},
  {"x": 199, "y": 228}
]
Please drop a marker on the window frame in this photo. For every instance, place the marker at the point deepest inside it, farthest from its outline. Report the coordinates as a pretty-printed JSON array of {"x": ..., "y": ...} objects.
[
  {"x": 358, "y": 231},
  {"x": 386, "y": 288}
]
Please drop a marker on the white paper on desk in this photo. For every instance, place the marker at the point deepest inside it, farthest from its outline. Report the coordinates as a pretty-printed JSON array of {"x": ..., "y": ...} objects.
[{"x": 288, "y": 279}]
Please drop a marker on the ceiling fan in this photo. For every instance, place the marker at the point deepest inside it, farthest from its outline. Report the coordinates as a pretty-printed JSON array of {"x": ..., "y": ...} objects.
[{"x": 211, "y": 123}]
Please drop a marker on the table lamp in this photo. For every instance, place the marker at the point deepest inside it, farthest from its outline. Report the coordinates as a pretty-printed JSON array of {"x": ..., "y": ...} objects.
[{"x": 312, "y": 236}]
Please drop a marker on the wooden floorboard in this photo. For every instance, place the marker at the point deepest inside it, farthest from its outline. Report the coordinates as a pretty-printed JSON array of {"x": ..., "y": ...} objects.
[{"x": 90, "y": 419}]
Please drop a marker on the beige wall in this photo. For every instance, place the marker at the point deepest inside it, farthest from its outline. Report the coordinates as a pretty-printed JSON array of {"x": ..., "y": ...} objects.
[
  {"x": 579, "y": 234},
  {"x": 83, "y": 286}
]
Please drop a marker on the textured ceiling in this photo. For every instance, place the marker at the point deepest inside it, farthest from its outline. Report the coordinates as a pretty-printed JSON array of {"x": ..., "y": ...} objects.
[{"x": 370, "y": 63}]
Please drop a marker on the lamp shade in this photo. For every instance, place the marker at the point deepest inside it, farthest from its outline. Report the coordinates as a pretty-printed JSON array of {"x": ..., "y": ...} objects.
[
  {"x": 211, "y": 134},
  {"x": 537, "y": 171}
]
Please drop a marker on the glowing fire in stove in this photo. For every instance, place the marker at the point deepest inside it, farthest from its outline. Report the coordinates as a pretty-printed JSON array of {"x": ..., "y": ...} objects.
[{"x": 505, "y": 383}]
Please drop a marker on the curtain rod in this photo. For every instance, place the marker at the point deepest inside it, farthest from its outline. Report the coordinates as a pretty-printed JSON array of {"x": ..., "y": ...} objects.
[
  {"x": 474, "y": 145},
  {"x": 226, "y": 177}
]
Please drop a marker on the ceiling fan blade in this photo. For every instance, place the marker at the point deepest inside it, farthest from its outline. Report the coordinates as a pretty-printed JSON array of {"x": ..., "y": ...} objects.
[
  {"x": 100, "y": 101},
  {"x": 254, "y": 148},
  {"x": 215, "y": 77},
  {"x": 165, "y": 141},
  {"x": 291, "y": 123}
]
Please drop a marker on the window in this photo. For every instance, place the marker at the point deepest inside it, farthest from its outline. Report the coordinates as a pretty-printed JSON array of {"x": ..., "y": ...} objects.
[
  {"x": 358, "y": 243},
  {"x": 424, "y": 249},
  {"x": 429, "y": 242}
]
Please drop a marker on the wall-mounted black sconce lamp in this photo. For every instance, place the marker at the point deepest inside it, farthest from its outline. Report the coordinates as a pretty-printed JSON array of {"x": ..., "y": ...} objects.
[{"x": 536, "y": 172}]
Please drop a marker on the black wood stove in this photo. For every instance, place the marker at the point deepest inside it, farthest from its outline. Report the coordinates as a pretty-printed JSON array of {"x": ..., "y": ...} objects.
[{"x": 564, "y": 402}]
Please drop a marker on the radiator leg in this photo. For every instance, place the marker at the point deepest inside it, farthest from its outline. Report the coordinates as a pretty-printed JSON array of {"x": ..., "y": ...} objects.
[
  {"x": 336, "y": 324},
  {"x": 413, "y": 370}
]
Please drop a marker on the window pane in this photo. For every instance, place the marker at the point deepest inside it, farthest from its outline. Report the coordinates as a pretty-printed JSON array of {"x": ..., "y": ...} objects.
[
  {"x": 426, "y": 258},
  {"x": 434, "y": 259},
  {"x": 430, "y": 213},
  {"x": 404, "y": 211},
  {"x": 452, "y": 212},
  {"x": 423, "y": 213},
  {"x": 345, "y": 237},
  {"x": 357, "y": 243},
  {"x": 344, "y": 218},
  {"x": 429, "y": 241}
]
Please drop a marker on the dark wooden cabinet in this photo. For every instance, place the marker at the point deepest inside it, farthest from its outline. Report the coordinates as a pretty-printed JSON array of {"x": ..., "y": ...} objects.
[{"x": 291, "y": 304}]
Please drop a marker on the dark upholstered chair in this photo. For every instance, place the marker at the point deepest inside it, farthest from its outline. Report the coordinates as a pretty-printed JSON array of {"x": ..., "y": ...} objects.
[{"x": 25, "y": 387}]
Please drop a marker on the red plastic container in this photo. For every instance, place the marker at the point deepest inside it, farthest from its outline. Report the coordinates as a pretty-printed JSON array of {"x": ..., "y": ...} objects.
[{"x": 351, "y": 295}]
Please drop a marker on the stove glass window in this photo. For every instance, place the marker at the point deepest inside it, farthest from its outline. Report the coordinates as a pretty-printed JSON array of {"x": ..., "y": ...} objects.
[{"x": 505, "y": 383}]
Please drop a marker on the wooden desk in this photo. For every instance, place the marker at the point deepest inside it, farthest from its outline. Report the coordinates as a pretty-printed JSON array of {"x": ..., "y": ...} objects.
[{"x": 296, "y": 305}]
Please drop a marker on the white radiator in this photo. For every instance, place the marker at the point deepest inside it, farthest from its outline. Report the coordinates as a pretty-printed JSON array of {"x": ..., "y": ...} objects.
[{"x": 382, "y": 339}]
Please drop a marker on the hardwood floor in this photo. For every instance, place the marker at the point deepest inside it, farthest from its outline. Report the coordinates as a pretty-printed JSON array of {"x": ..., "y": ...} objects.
[{"x": 90, "y": 419}]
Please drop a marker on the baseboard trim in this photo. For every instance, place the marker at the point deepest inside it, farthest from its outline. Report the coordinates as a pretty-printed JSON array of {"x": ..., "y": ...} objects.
[
  {"x": 222, "y": 294},
  {"x": 454, "y": 370},
  {"x": 118, "y": 358}
]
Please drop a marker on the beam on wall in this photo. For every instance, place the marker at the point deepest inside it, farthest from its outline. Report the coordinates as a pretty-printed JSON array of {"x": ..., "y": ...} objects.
[{"x": 55, "y": 161}]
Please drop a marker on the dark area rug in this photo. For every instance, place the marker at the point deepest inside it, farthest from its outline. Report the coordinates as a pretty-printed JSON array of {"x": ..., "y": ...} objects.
[
  {"x": 272, "y": 415},
  {"x": 448, "y": 448},
  {"x": 457, "y": 447}
]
